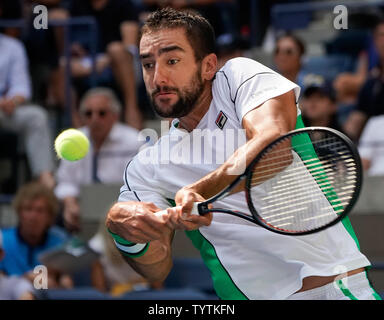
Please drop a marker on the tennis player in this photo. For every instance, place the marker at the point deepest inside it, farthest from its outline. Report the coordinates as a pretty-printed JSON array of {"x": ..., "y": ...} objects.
[{"x": 246, "y": 261}]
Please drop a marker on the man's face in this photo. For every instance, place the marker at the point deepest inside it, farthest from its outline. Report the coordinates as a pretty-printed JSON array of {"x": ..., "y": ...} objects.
[
  {"x": 317, "y": 106},
  {"x": 171, "y": 74},
  {"x": 98, "y": 116},
  {"x": 379, "y": 40},
  {"x": 287, "y": 55},
  {"x": 34, "y": 217}
]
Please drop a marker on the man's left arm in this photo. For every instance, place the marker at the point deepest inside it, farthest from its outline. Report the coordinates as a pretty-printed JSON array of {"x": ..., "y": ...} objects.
[{"x": 262, "y": 125}]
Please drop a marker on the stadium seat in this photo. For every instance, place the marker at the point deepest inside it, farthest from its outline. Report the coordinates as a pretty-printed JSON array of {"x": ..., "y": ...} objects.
[
  {"x": 82, "y": 278},
  {"x": 328, "y": 66},
  {"x": 190, "y": 273},
  {"x": 166, "y": 294},
  {"x": 82, "y": 293}
]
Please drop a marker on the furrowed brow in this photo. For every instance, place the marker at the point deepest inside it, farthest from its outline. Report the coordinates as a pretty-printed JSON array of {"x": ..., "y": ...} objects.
[
  {"x": 145, "y": 55},
  {"x": 161, "y": 51},
  {"x": 170, "y": 48}
]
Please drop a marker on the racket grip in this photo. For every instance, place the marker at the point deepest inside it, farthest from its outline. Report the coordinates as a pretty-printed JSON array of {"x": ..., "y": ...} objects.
[{"x": 194, "y": 211}]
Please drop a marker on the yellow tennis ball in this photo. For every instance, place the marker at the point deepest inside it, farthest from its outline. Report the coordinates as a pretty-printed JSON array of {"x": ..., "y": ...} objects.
[{"x": 71, "y": 145}]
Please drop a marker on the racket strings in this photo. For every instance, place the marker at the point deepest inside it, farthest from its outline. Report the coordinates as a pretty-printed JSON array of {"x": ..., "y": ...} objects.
[
  {"x": 286, "y": 150},
  {"x": 307, "y": 188}
]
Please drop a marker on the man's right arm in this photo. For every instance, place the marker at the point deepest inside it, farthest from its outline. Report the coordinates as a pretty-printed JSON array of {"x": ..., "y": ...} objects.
[
  {"x": 133, "y": 218},
  {"x": 137, "y": 223}
]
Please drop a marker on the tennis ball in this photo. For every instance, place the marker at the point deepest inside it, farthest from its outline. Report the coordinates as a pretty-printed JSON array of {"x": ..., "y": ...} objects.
[{"x": 71, "y": 145}]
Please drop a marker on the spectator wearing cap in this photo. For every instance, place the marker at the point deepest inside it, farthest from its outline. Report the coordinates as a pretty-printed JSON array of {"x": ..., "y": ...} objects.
[
  {"x": 318, "y": 103},
  {"x": 13, "y": 287},
  {"x": 36, "y": 208}
]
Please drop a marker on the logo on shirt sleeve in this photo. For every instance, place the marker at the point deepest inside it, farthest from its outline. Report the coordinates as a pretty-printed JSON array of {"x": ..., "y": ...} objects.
[{"x": 221, "y": 119}]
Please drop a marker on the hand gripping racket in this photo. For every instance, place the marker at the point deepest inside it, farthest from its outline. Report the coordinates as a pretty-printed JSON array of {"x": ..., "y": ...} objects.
[{"x": 303, "y": 182}]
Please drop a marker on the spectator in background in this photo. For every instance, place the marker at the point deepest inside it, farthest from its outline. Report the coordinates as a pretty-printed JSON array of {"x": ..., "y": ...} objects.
[
  {"x": 318, "y": 103},
  {"x": 288, "y": 54},
  {"x": 44, "y": 48},
  {"x": 36, "y": 208},
  {"x": 18, "y": 115},
  {"x": 9, "y": 10},
  {"x": 222, "y": 14},
  {"x": 117, "y": 24},
  {"x": 14, "y": 287},
  {"x": 112, "y": 144},
  {"x": 228, "y": 46},
  {"x": 371, "y": 146},
  {"x": 347, "y": 86},
  {"x": 371, "y": 95},
  {"x": 111, "y": 273}
]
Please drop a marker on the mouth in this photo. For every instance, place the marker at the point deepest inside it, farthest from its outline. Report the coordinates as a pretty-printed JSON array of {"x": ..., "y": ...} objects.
[{"x": 165, "y": 94}]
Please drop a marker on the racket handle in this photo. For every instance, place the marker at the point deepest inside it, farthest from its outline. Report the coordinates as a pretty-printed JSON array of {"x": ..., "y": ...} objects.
[{"x": 194, "y": 211}]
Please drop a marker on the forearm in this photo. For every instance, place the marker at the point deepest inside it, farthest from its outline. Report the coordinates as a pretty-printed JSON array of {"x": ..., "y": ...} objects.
[
  {"x": 156, "y": 263},
  {"x": 136, "y": 222},
  {"x": 17, "y": 100},
  {"x": 129, "y": 33},
  {"x": 262, "y": 125},
  {"x": 235, "y": 165}
]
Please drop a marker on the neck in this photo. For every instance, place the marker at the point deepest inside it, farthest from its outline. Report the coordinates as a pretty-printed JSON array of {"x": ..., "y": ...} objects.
[
  {"x": 97, "y": 143},
  {"x": 291, "y": 75},
  {"x": 190, "y": 121},
  {"x": 32, "y": 239},
  {"x": 321, "y": 122}
]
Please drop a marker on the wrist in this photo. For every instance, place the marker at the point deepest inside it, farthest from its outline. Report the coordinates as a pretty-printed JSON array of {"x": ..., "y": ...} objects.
[
  {"x": 128, "y": 248},
  {"x": 134, "y": 250}
]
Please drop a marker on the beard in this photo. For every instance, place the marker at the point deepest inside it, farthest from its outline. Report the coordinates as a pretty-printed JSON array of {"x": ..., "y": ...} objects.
[{"x": 187, "y": 98}]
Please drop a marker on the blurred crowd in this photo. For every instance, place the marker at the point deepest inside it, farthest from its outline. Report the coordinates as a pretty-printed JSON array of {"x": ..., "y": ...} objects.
[{"x": 90, "y": 78}]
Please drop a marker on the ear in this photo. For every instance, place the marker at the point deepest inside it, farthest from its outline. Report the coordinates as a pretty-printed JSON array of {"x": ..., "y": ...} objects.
[{"x": 209, "y": 67}]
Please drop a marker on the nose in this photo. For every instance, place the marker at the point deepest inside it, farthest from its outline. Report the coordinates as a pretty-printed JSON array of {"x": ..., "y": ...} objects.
[{"x": 160, "y": 77}]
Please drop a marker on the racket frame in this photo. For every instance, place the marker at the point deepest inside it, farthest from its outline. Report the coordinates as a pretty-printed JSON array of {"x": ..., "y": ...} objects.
[{"x": 203, "y": 207}]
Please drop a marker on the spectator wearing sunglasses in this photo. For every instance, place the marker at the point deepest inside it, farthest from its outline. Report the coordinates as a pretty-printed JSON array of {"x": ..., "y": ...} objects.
[
  {"x": 112, "y": 145},
  {"x": 288, "y": 54}
]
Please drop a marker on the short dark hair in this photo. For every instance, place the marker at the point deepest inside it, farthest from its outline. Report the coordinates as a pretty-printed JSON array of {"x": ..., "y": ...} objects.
[
  {"x": 198, "y": 30},
  {"x": 298, "y": 42}
]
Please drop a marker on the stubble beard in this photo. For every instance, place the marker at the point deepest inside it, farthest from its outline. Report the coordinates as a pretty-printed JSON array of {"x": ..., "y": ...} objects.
[{"x": 187, "y": 98}]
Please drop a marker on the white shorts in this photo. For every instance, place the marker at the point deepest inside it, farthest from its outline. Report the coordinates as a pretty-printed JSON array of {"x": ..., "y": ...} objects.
[{"x": 355, "y": 287}]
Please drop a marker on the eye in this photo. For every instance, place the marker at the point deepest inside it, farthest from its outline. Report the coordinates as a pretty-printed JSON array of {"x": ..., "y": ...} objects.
[
  {"x": 173, "y": 61},
  {"x": 148, "y": 65}
]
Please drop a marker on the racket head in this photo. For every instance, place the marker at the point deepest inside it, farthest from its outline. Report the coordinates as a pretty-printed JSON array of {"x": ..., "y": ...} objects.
[{"x": 309, "y": 189}]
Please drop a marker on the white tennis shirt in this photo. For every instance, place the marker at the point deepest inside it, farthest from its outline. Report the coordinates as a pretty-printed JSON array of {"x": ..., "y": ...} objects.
[
  {"x": 371, "y": 145},
  {"x": 246, "y": 261}
]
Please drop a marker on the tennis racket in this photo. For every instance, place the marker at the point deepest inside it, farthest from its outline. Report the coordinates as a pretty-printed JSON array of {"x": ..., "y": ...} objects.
[{"x": 303, "y": 182}]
